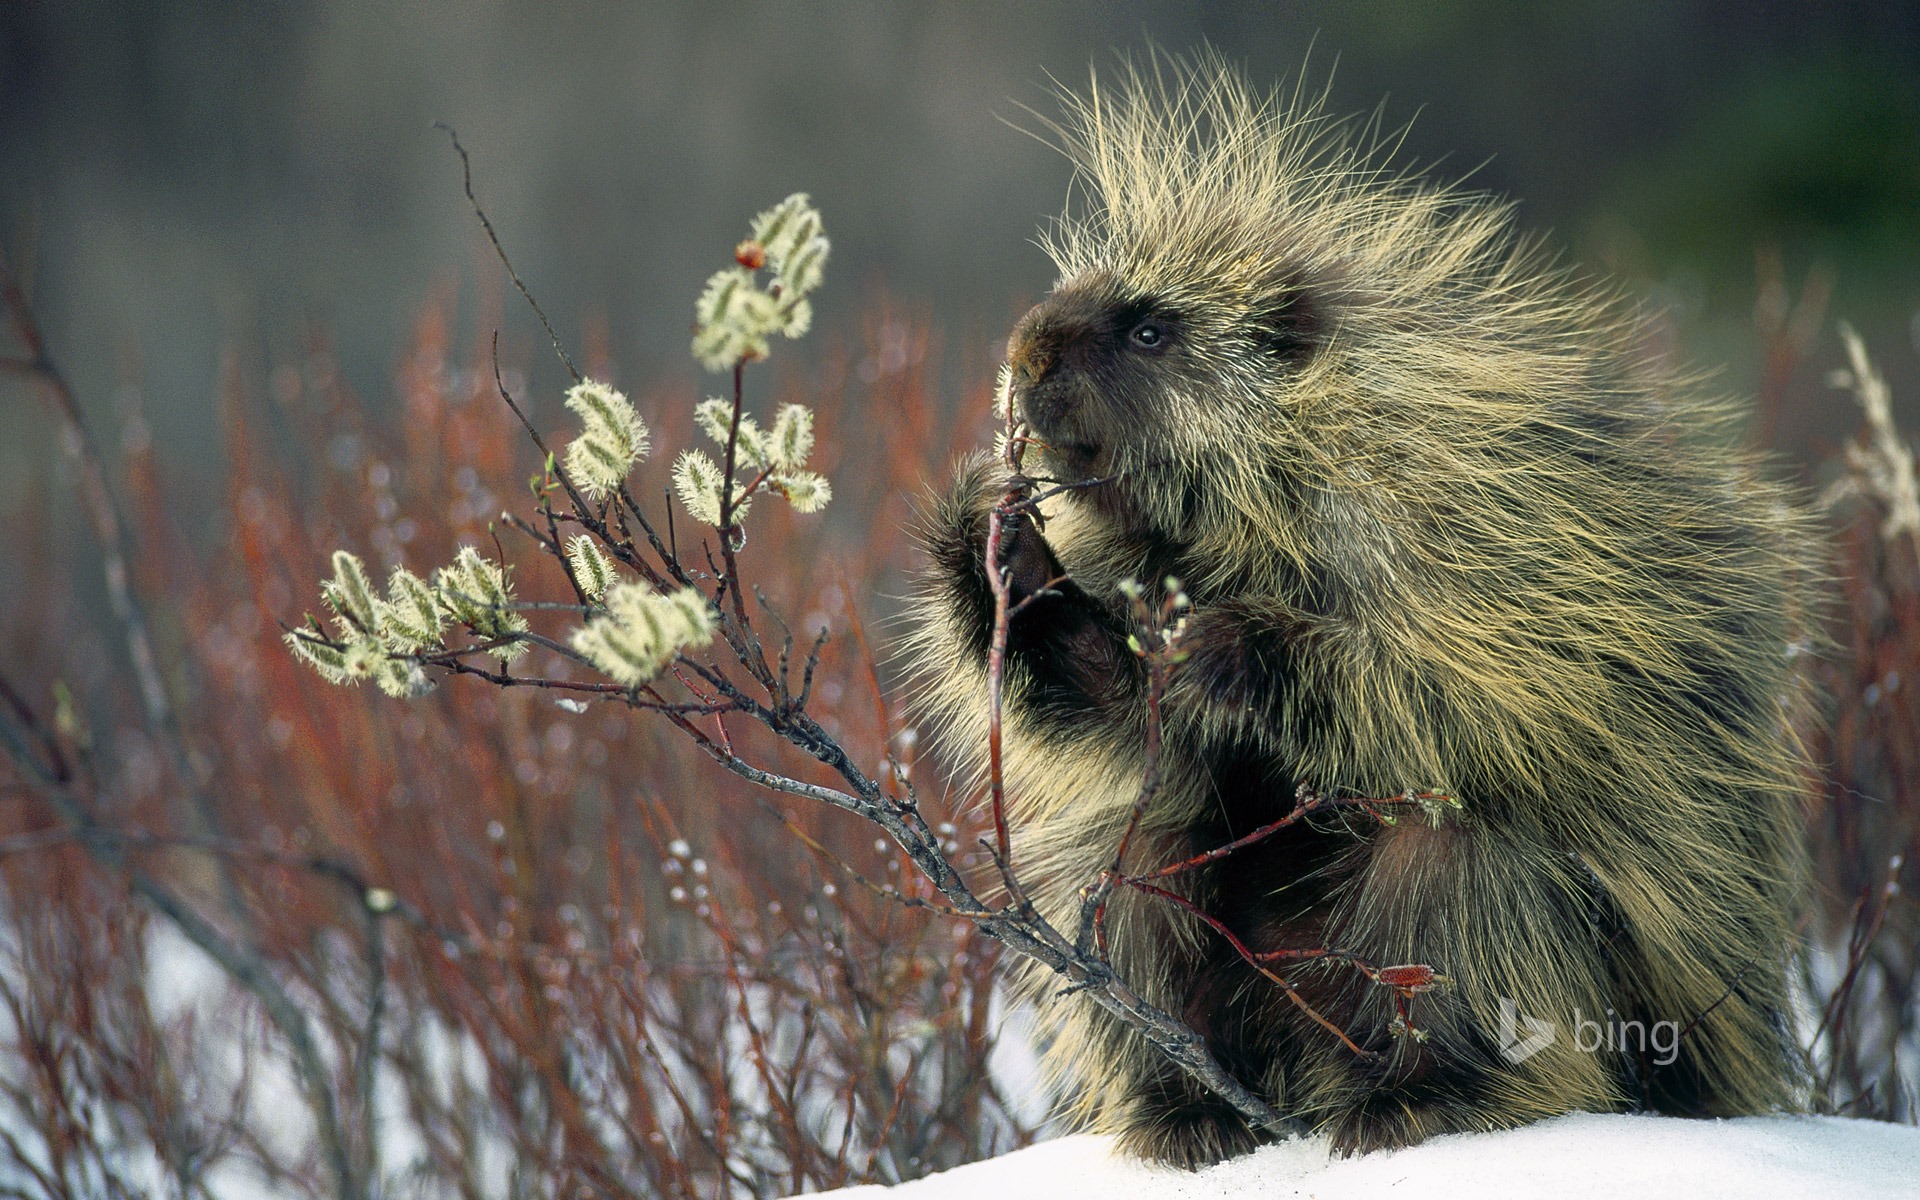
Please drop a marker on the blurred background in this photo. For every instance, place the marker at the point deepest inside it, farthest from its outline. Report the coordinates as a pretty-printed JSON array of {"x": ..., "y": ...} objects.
[{"x": 190, "y": 178}]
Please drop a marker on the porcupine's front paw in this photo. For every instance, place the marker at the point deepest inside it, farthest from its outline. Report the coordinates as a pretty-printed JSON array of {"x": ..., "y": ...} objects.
[
  {"x": 955, "y": 531},
  {"x": 961, "y": 519},
  {"x": 1029, "y": 561},
  {"x": 1189, "y": 1133},
  {"x": 1235, "y": 659},
  {"x": 955, "y": 534}
]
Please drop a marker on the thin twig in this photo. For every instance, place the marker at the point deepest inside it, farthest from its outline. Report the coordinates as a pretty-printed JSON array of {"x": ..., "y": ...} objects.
[
  {"x": 1254, "y": 960},
  {"x": 1307, "y": 803},
  {"x": 466, "y": 181},
  {"x": 996, "y": 683}
]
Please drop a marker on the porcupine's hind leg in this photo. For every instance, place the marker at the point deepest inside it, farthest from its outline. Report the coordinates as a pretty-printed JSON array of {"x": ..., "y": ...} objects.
[
  {"x": 1172, "y": 1119},
  {"x": 1508, "y": 922},
  {"x": 1700, "y": 963},
  {"x": 1510, "y": 925},
  {"x": 1130, "y": 1088}
]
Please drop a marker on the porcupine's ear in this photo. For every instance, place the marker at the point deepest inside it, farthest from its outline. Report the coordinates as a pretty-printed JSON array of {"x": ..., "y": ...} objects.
[{"x": 1288, "y": 321}]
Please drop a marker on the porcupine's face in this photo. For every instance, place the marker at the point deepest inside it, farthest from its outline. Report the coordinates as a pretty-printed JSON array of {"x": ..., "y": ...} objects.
[{"x": 1150, "y": 393}]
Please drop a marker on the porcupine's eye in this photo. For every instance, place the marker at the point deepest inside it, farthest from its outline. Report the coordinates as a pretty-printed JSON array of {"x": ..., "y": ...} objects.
[
  {"x": 1148, "y": 335},
  {"x": 1144, "y": 325}
]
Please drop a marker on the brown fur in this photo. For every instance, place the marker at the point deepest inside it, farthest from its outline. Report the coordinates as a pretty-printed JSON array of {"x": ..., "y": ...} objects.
[{"x": 1444, "y": 527}]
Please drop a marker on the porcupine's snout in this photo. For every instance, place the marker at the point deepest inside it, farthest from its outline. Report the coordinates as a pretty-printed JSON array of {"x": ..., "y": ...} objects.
[
  {"x": 1053, "y": 380},
  {"x": 1032, "y": 352}
]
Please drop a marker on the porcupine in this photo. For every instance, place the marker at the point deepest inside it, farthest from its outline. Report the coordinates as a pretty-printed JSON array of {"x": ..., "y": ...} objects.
[{"x": 1444, "y": 524}]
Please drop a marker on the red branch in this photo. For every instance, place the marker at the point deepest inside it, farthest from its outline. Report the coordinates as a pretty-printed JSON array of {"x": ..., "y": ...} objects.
[{"x": 1307, "y": 804}]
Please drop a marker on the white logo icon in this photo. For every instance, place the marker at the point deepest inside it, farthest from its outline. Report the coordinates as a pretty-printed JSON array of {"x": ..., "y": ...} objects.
[{"x": 1539, "y": 1034}]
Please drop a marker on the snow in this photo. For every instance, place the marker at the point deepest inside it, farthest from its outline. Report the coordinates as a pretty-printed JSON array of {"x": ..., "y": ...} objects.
[{"x": 1582, "y": 1156}]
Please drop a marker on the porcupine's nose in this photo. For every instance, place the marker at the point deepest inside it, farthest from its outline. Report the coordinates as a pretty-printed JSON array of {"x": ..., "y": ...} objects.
[
  {"x": 1032, "y": 352},
  {"x": 1029, "y": 354}
]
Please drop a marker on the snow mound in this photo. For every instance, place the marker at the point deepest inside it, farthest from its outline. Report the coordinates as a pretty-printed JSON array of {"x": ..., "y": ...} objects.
[{"x": 1582, "y": 1156}]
